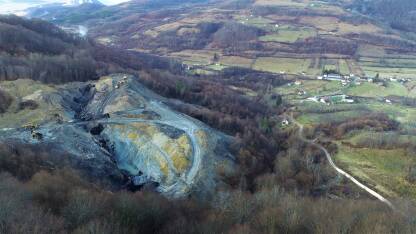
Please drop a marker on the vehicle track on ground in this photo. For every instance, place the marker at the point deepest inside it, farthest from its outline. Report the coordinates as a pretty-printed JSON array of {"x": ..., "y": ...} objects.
[{"x": 337, "y": 169}]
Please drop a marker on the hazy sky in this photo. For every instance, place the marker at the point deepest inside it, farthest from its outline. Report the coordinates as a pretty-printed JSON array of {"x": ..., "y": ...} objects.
[
  {"x": 17, "y": 6},
  {"x": 112, "y": 2}
]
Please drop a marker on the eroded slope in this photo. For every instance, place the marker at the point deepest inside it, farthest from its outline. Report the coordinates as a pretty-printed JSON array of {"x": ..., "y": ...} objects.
[{"x": 117, "y": 122}]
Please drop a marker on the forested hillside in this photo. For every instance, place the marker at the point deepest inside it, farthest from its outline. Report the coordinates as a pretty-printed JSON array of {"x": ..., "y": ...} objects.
[
  {"x": 41, "y": 51},
  {"x": 400, "y": 14}
]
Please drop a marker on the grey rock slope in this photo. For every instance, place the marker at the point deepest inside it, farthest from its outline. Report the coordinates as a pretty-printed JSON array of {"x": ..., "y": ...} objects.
[{"x": 115, "y": 127}]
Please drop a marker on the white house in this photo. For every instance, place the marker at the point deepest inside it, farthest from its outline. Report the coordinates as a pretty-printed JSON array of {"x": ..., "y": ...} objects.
[
  {"x": 334, "y": 77},
  {"x": 285, "y": 122},
  {"x": 312, "y": 99}
]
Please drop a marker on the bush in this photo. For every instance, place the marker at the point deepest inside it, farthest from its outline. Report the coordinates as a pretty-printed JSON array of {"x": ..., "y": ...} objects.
[
  {"x": 5, "y": 101},
  {"x": 61, "y": 203},
  {"x": 29, "y": 104},
  {"x": 18, "y": 213},
  {"x": 53, "y": 191},
  {"x": 82, "y": 207},
  {"x": 23, "y": 161},
  {"x": 141, "y": 211}
]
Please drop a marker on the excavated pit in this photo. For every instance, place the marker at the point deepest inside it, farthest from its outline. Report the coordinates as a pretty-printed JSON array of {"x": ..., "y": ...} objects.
[{"x": 117, "y": 125}]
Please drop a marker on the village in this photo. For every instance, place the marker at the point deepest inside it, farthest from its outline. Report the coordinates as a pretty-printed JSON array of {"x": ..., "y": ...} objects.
[{"x": 343, "y": 83}]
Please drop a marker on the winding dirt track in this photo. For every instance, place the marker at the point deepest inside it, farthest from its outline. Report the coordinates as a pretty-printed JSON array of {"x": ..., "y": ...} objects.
[{"x": 339, "y": 170}]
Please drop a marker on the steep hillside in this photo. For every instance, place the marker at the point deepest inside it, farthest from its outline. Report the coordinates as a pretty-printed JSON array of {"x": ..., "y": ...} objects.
[
  {"x": 399, "y": 14},
  {"x": 113, "y": 125},
  {"x": 41, "y": 51},
  {"x": 72, "y": 13}
]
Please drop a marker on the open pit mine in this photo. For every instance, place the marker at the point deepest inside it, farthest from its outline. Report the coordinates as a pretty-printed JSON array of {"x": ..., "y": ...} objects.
[{"x": 117, "y": 132}]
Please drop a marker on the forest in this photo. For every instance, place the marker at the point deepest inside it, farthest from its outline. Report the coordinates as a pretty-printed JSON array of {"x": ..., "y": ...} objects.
[
  {"x": 38, "y": 50},
  {"x": 398, "y": 13}
]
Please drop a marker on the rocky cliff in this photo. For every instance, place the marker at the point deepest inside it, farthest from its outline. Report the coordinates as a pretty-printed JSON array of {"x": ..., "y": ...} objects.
[{"x": 115, "y": 128}]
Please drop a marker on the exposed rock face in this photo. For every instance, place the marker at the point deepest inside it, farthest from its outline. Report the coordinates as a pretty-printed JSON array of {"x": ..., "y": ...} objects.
[{"x": 116, "y": 123}]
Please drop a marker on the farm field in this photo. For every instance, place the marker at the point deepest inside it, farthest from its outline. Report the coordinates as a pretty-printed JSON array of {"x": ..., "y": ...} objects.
[
  {"x": 377, "y": 158},
  {"x": 283, "y": 32},
  {"x": 194, "y": 57},
  {"x": 289, "y": 35},
  {"x": 332, "y": 37},
  {"x": 278, "y": 65},
  {"x": 236, "y": 61},
  {"x": 385, "y": 170},
  {"x": 376, "y": 90},
  {"x": 386, "y": 72}
]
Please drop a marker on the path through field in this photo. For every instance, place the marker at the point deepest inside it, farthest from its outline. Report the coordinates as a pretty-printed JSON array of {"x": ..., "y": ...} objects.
[{"x": 339, "y": 170}]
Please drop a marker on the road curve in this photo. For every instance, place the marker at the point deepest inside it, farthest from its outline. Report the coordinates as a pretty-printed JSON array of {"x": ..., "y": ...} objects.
[
  {"x": 339, "y": 170},
  {"x": 170, "y": 118},
  {"x": 181, "y": 122}
]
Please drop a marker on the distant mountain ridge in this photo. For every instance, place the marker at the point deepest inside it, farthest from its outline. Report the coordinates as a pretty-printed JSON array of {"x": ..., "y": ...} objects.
[
  {"x": 23, "y": 7},
  {"x": 73, "y": 9},
  {"x": 82, "y": 11},
  {"x": 80, "y": 2}
]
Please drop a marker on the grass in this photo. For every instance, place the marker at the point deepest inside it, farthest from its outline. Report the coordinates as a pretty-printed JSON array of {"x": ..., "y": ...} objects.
[
  {"x": 200, "y": 71},
  {"x": 378, "y": 91},
  {"x": 330, "y": 67},
  {"x": 256, "y": 21},
  {"x": 312, "y": 87},
  {"x": 216, "y": 67},
  {"x": 290, "y": 35},
  {"x": 195, "y": 57},
  {"x": 359, "y": 136},
  {"x": 245, "y": 91},
  {"x": 389, "y": 62},
  {"x": 276, "y": 65},
  {"x": 322, "y": 23},
  {"x": 371, "y": 50},
  {"x": 402, "y": 114},
  {"x": 20, "y": 89},
  {"x": 236, "y": 61},
  {"x": 383, "y": 169},
  {"x": 387, "y": 72},
  {"x": 318, "y": 118},
  {"x": 346, "y": 28},
  {"x": 343, "y": 67}
]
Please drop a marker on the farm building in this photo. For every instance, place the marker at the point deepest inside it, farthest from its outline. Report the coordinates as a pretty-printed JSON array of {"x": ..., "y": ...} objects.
[{"x": 335, "y": 77}]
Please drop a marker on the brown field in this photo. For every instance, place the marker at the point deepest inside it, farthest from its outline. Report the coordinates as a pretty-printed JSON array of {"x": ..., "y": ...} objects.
[
  {"x": 323, "y": 23},
  {"x": 196, "y": 57},
  {"x": 346, "y": 28},
  {"x": 297, "y": 28}
]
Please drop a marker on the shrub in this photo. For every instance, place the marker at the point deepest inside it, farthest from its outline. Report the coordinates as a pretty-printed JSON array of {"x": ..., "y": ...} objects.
[
  {"x": 82, "y": 207},
  {"x": 5, "y": 101},
  {"x": 53, "y": 191}
]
